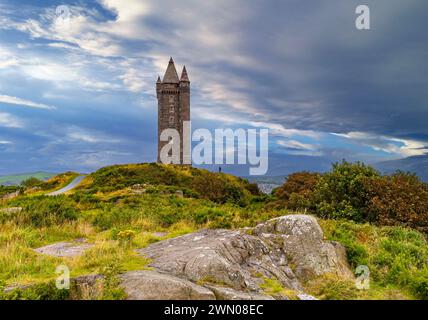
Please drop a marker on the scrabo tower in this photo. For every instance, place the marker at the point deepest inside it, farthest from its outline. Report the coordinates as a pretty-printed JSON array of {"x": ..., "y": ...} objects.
[{"x": 173, "y": 103}]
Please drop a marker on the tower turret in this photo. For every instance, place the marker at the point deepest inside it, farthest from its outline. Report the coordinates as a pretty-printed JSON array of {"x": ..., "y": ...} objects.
[{"x": 173, "y": 96}]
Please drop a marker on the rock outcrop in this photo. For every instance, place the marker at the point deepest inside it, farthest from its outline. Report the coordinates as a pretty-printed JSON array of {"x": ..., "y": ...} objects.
[
  {"x": 235, "y": 264},
  {"x": 152, "y": 285},
  {"x": 11, "y": 195},
  {"x": 65, "y": 249}
]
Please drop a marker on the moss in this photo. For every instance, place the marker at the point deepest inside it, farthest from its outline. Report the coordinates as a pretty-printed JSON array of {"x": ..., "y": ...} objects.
[{"x": 274, "y": 288}]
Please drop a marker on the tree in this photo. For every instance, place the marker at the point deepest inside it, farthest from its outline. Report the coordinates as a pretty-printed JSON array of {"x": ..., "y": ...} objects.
[
  {"x": 400, "y": 199},
  {"x": 341, "y": 192},
  {"x": 31, "y": 182}
]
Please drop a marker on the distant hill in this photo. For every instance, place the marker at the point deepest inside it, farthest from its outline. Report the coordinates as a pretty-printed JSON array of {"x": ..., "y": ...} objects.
[
  {"x": 16, "y": 179},
  {"x": 267, "y": 183},
  {"x": 416, "y": 164}
]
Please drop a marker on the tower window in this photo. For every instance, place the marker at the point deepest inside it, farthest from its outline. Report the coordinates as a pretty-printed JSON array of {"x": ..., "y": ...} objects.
[
  {"x": 171, "y": 121},
  {"x": 171, "y": 109}
]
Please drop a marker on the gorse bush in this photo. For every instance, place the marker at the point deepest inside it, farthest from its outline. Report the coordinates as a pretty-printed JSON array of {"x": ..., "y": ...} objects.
[
  {"x": 358, "y": 192},
  {"x": 298, "y": 190},
  {"x": 341, "y": 192},
  {"x": 400, "y": 199},
  {"x": 31, "y": 182}
]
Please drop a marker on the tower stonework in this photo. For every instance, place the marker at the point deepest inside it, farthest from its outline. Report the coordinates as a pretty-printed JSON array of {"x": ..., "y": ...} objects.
[{"x": 173, "y": 96}]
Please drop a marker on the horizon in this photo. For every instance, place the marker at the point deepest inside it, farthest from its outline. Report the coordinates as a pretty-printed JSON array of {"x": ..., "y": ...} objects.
[{"x": 79, "y": 94}]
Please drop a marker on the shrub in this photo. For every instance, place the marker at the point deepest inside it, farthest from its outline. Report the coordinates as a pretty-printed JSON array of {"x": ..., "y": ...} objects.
[
  {"x": 110, "y": 217},
  {"x": 8, "y": 189},
  {"x": 216, "y": 218},
  {"x": 31, "y": 182},
  {"x": 45, "y": 211},
  {"x": 42, "y": 291},
  {"x": 300, "y": 183},
  {"x": 341, "y": 193},
  {"x": 400, "y": 199}
]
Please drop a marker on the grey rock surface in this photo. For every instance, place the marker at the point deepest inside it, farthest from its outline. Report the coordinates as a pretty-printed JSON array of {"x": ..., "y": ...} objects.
[
  {"x": 152, "y": 285},
  {"x": 224, "y": 293},
  {"x": 290, "y": 249},
  {"x": 65, "y": 249}
]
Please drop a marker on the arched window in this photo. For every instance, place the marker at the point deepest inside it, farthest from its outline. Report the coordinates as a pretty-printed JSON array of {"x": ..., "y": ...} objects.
[{"x": 171, "y": 121}]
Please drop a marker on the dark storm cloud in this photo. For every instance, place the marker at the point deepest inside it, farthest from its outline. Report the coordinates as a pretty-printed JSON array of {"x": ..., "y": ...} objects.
[{"x": 318, "y": 72}]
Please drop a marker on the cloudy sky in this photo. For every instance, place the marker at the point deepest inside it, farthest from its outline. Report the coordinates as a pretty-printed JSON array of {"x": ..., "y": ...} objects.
[{"x": 78, "y": 93}]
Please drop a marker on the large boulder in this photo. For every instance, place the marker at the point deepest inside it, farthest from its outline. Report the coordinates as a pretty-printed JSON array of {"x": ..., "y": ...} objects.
[
  {"x": 152, "y": 285},
  {"x": 303, "y": 243},
  {"x": 290, "y": 249}
]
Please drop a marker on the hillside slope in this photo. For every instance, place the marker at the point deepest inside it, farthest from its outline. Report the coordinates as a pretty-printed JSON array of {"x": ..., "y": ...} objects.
[
  {"x": 113, "y": 221},
  {"x": 16, "y": 179},
  {"x": 416, "y": 164}
]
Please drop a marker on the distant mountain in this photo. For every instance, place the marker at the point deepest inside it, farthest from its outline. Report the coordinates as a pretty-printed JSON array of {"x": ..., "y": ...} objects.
[
  {"x": 416, "y": 164},
  {"x": 16, "y": 179}
]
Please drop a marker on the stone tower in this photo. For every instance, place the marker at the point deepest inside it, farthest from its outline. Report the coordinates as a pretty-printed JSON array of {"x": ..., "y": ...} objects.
[{"x": 173, "y": 96}]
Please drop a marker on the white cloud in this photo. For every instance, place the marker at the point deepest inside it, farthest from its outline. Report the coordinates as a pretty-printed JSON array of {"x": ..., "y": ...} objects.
[
  {"x": 9, "y": 121},
  {"x": 79, "y": 134},
  {"x": 24, "y": 102},
  {"x": 7, "y": 59},
  {"x": 294, "y": 144},
  {"x": 5, "y": 142},
  {"x": 398, "y": 146},
  {"x": 280, "y": 130}
]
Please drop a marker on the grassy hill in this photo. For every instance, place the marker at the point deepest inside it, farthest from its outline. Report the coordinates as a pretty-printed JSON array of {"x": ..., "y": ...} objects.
[
  {"x": 121, "y": 208},
  {"x": 16, "y": 179}
]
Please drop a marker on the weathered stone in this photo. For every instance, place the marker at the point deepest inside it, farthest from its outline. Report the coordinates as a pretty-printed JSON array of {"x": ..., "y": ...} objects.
[
  {"x": 33, "y": 189},
  {"x": 304, "y": 296},
  {"x": 65, "y": 249},
  {"x": 290, "y": 249},
  {"x": 173, "y": 96},
  {"x": 11, "y": 195},
  {"x": 160, "y": 234},
  {"x": 224, "y": 293},
  {"x": 223, "y": 256},
  {"x": 304, "y": 245},
  {"x": 179, "y": 193},
  {"x": 11, "y": 210},
  {"x": 152, "y": 285}
]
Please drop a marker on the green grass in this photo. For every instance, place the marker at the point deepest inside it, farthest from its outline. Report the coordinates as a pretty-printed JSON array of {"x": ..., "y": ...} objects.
[{"x": 397, "y": 257}]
